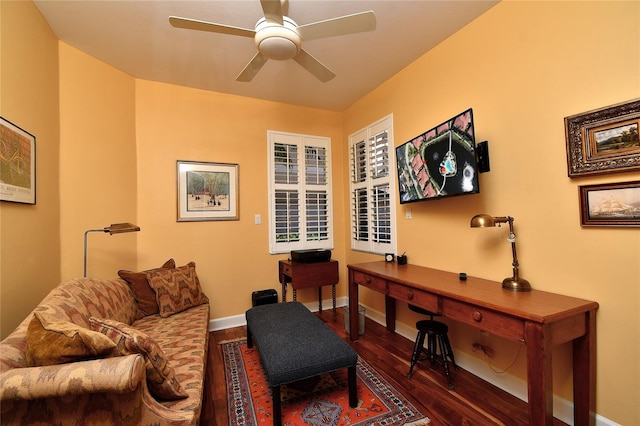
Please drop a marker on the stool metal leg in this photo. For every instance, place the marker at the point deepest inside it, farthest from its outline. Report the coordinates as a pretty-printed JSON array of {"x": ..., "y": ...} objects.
[
  {"x": 416, "y": 351},
  {"x": 433, "y": 347},
  {"x": 450, "y": 351},
  {"x": 445, "y": 363}
]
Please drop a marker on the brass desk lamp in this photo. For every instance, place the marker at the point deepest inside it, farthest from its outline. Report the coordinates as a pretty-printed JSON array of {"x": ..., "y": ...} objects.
[{"x": 514, "y": 283}]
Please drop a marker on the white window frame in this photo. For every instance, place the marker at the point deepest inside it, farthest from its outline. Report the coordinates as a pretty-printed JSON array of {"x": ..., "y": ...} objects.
[
  {"x": 364, "y": 239},
  {"x": 302, "y": 188}
]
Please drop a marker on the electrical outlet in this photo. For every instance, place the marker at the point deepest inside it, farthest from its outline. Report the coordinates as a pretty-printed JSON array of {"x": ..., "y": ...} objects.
[{"x": 407, "y": 213}]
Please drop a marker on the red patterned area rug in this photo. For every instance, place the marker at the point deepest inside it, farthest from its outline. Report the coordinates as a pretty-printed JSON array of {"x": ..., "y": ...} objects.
[{"x": 323, "y": 400}]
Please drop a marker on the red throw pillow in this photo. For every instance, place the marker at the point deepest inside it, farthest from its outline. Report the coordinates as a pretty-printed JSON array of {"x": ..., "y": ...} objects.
[{"x": 144, "y": 294}]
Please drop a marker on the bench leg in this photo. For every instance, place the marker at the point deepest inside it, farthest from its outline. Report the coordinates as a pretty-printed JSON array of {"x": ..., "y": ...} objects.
[
  {"x": 277, "y": 409},
  {"x": 353, "y": 390},
  {"x": 249, "y": 339}
]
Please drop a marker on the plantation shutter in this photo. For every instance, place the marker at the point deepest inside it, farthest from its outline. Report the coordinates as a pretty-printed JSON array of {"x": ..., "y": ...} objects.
[
  {"x": 299, "y": 188},
  {"x": 372, "y": 189}
]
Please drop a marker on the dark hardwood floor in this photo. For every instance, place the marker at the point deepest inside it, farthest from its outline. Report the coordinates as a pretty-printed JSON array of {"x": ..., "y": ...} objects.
[{"x": 473, "y": 402}]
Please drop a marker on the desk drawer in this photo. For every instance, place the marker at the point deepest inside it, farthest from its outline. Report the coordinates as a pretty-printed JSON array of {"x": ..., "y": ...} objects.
[
  {"x": 285, "y": 273},
  {"x": 484, "y": 319},
  {"x": 370, "y": 281},
  {"x": 425, "y": 300}
]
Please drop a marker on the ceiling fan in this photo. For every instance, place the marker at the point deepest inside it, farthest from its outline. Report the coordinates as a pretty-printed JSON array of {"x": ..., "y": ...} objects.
[{"x": 278, "y": 37}]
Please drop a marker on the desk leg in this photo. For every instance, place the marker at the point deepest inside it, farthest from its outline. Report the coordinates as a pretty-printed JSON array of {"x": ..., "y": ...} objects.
[
  {"x": 390, "y": 313},
  {"x": 284, "y": 292},
  {"x": 584, "y": 374},
  {"x": 539, "y": 375},
  {"x": 320, "y": 299},
  {"x": 353, "y": 308},
  {"x": 333, "y": 299}
]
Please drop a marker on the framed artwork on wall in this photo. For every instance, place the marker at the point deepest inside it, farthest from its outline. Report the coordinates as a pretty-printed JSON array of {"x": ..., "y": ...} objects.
[
  {"x": 207, "y": 191},
  {"x": 603, "y": 140},
  {"x": 610, "y": 204},
  {"x": 17, "y": 164}
]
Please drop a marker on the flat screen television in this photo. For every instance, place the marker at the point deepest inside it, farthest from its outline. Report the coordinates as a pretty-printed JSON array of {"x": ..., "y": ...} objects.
[{"x": 440, "y": 162}]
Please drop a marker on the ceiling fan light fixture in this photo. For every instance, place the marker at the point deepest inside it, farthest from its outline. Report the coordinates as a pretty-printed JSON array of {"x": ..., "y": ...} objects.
[
  {"x": 278, "y": 37},
  {"x": 279, "y": 42}
]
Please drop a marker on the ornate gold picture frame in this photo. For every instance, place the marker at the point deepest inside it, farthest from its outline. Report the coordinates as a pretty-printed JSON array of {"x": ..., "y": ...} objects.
[{"x": 604, "y": 140}]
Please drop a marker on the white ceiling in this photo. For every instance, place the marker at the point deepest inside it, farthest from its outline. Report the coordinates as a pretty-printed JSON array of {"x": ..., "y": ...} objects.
[{"x": 135, "y": 37}]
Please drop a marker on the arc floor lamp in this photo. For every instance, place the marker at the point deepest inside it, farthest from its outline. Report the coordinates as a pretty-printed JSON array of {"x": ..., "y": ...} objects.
[
  {"x": 115, "y": 228},
  {"x": 516, "y": 282}
]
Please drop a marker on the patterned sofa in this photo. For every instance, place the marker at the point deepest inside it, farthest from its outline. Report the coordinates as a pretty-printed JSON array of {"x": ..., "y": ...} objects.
[{"x": 114, "y": 385}]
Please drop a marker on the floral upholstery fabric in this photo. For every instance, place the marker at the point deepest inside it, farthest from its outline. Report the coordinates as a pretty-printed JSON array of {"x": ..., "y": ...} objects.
[
  {"x": 76, "y": 301},
  {"x": 186, "y": 348},
  {"x": 161, "y": 378},
  {"x": 104, "y": 391},
  {"x": 176, "y": 289}
]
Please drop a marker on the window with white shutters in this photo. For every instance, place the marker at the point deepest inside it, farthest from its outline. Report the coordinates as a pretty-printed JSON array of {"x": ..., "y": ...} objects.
[
  {"x": 372, "y": 188},
  {"x": 300, "y": 210}
]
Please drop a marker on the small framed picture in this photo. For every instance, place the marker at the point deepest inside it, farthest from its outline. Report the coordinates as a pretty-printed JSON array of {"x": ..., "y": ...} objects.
[
  {"x": 207, "y": 191},
  {"x": 17, "y": 164},
  {"x": 611, "y": 204},
  {"x": 604, "y": 140}
]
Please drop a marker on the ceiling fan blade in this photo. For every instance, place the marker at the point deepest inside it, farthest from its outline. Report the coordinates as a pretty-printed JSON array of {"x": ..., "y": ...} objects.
[
  {"x": 252, "y": 68},
  {"x": 348, "y": 24},
  {"x": 272, "y": 10},
  {"x": 194, "y": 24},
  {"x": 314, "y": 66}
]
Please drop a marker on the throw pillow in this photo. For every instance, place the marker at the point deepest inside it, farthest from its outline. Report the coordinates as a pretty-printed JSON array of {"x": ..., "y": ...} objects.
[
  {"x": 52, "y": 340},
  {"x": 161, "y": 378},
  {"x": 176, "y": 289},
  {"x": 143, "y": 293}
]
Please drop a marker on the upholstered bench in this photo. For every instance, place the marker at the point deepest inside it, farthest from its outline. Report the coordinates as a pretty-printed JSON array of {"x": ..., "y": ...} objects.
[{"x": 294, "y": 344}]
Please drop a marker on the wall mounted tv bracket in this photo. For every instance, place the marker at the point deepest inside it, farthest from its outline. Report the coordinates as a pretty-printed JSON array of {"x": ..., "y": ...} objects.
[{"x": 482, "y": 156}]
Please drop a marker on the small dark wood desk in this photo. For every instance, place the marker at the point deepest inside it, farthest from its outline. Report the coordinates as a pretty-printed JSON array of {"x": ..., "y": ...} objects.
[
  {"x": 309, "y": 275},
  {"x": 538, "y": 319}
]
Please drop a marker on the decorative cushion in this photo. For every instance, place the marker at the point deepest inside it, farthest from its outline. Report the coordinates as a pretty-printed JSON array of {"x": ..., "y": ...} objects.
[
  {"x": 53, "y": 340},
  {"x": 144, "y": 294},
  {"x": 161, "y": 377},
  {"x": 176, "y": 289}
]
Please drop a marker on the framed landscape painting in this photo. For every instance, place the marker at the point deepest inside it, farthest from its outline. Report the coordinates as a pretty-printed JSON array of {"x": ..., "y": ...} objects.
[
  {"x": 207, "y": 191},
  {"x": 17, "y": 164},
  {"x": 604, "y": 140}
]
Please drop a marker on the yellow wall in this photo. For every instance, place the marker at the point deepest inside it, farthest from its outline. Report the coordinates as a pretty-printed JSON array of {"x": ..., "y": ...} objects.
[
  {"x": 176, "y": 123},
  {"x": 29, "y": 234},
  {"x": 108, "y": 154},
  {"x": 97, "y": 165},
  {"x": 523, "y": 67}
]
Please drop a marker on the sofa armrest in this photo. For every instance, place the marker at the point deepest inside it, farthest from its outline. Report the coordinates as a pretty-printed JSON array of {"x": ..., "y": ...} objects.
[{"x": 120, "y": 374}]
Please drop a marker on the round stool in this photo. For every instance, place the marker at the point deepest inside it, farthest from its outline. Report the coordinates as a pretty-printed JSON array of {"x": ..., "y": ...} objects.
[{"x": 436, "y": 333}]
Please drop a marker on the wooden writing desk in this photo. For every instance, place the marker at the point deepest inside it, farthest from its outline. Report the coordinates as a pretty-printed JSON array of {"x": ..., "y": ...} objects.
[
  {"x": 309, "y": 275},
  {"x": 538, "y": 319}
]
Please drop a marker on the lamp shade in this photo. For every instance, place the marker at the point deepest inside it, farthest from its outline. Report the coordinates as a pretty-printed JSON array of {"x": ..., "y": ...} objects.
[
  {"x": 482, "y": 221},
  {"x": 121, "y": 228}
]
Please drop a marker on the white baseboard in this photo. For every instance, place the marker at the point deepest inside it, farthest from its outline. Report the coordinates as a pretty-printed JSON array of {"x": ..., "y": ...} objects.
[{"x": 562, "y": 409}]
